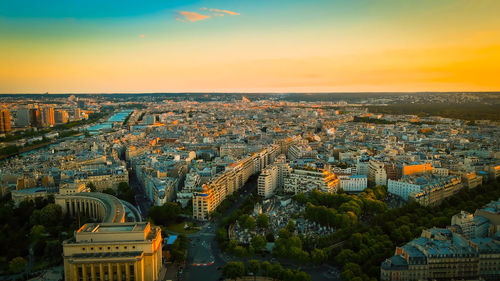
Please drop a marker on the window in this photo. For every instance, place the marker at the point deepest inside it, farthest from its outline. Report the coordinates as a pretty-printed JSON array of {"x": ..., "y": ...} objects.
[{"x": 83, "y": 249}]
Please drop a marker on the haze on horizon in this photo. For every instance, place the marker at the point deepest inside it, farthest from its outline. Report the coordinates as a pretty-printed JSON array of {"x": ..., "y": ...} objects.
[{"x": 249, "y": 46}]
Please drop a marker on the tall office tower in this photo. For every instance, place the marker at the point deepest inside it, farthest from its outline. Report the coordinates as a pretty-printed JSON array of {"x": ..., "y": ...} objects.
[
  {"x": 82, "y": 104},
  {"x": 35, "y": 117},
  {"x": 23, "y": 117},
  {"x": 114, "y": 251},
  {"x": 4, "y": 121},
  {"x": 61, "y": 116},
  {"x": 48, "y": 116},
  {"x": 77, "y": 114}
]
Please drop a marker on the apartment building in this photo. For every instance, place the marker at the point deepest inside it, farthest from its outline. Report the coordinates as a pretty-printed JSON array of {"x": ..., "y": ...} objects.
[
  {"x": 353, "y": 183},
  {"x": 377, "y": 173},
  {"x": 268, "y": 181},
  {"x": 211, "y": 194},
  {"x": 302, "y": 180}
]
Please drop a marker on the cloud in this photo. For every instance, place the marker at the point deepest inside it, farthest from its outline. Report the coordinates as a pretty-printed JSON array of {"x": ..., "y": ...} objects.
[
  {"x": 217, "y": 11},
  {"x": 193, "y": 16},
  {"x": 142, "y": 36}
]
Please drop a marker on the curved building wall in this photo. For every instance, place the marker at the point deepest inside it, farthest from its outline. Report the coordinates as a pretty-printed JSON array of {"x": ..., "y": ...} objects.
[{"x": 98, "y": 206}]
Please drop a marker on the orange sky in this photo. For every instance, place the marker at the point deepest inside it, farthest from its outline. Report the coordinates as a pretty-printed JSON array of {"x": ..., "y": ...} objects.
[{"x": 240, "y": 49}]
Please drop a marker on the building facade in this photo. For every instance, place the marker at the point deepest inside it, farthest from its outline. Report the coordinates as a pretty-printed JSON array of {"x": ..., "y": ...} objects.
[
  {"x": 268, "y": 181},
  {"x": 5, "y": 125},
  {"x": 207, "y": 197},
  {"x": 353, "y": 183},
  {"x": 426, "y": 189},
  {"x": 377, "y": 173},
  {"x": 306, "y": 180},
  {"x": 102, "y": 251}
]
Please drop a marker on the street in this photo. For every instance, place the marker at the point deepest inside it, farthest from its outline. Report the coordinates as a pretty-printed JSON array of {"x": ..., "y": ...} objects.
[
  {"x": 141, "y": 202},
  {"x": 203, "y": 248}
]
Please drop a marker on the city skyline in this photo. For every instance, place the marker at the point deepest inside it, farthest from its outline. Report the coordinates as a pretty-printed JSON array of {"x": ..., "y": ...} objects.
[{"x": 221, "y": 46}]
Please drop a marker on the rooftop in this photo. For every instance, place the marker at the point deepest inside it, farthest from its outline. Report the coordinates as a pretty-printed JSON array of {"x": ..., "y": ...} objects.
[{"x": 113, "y": 227}]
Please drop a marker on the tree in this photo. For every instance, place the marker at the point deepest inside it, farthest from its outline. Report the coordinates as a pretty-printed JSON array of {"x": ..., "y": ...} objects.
[
  {"x": 258, "y": 242},
  {"x": 165, "y": 214},
  {"x": 300, "y": 197},
  {"x": 37, "y": 231},
  {"x": 233, "y": 270},
  {"x": 270, "y": 237},
  {"x": 53, "y": 247},
  {"x": 109, "y": 191},
  {"x": 318, "y": 256},
  {"x": 239, "y": 251},
  {"x": 266, "y": 267},
  {"x": 250, "y": 223},
  {"x": 91, "y": 186},
  {"x": 287, "y": 274},
  {"x": 51, "y": 215},
  {"x": 40, "y": 202},
  {"x": 290, "y": 226},
  {"x": 346, "y": 256},
  {"x": 262, "y": 221},
  {"x": 39, "y": 247},
  {"x": 17, "y": 265},
  {"x": 253, "y": 267},
  {"x": 178, "y": 248},
  {"x": 276, "y": 271},
  {"x": 247, "y": 222},
  {"x": 302, "y": 276},
  {"x": 283, "y": 233},
  {"x": 126, "y": 193}
]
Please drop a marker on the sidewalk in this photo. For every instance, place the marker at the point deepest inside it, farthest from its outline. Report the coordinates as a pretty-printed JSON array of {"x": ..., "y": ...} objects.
[
  {"x": 163, "y": 272},
  {"x": 171, "y": 271}
]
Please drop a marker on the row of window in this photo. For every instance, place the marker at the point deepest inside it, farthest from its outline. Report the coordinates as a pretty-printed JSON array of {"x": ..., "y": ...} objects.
[{"x": 109, "y": 248}]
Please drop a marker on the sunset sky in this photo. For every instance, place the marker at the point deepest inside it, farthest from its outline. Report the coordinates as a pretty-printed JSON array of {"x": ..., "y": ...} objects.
[{"x": 97, "y": 46}]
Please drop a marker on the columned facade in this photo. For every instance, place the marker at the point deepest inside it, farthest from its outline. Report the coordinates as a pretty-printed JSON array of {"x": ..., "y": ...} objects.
[
  {"x": 98, "y": 206},
  {"x": 114, "y": 252}
]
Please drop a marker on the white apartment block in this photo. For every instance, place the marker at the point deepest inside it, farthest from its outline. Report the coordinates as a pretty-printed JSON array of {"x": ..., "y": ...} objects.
[
  {"x": 354, "y": 183},
  {"x": 268, "y": 181},
  {"x": 377, "y": 173},
  {"x": 465, "y": 221},
  {"x": 300, "y": 151},
  {"x": 402, "y": 189},
  {"x": 346, "y": 171}
]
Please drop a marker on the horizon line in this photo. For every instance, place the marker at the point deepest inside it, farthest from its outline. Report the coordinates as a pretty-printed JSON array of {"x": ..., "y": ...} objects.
[{"x": 271, "y": 93}]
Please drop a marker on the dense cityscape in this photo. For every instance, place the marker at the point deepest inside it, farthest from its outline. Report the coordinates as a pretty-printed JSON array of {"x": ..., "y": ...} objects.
[
  {"x": 222, "y": 186},
  {"x": 250, "y": 140}
]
